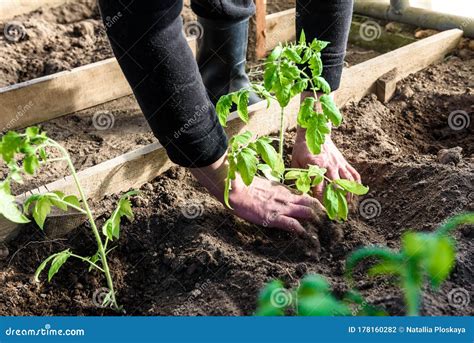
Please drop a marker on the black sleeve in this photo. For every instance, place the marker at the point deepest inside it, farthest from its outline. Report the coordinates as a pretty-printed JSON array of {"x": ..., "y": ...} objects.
[
  {"x": 147, "y": 39},
  {"x": 328, "y": 20}
]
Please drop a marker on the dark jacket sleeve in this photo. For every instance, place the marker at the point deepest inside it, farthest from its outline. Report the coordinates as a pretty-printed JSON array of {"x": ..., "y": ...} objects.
[
  {"x": 328, "y": 20},
  {"x": 147, "y": 39}
]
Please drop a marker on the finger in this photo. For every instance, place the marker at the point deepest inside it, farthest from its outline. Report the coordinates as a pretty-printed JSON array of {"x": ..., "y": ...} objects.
[
  {"x": 300, "y": 212},
  {"x": 308, "y": 201},
  {"x": 354, "y": 173},
  {"x": 288, "y": 224},
  {"x": 333, "y": 174},
  {"x": 318, "y": 191}
]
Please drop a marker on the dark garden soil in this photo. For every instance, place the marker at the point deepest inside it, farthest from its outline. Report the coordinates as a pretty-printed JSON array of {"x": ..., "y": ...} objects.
[{"x": 185, "y": 255}]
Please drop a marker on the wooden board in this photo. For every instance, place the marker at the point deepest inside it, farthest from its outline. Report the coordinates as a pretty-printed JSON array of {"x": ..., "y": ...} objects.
[
  {"x": 11, "y": 8},
  {"x": 280, "y": 27},
  {"x": 360, "y": 79},
  {"x": 132, "y": 170},
  {"x": 260, "y": 25},
  {"x": 51, "y": 96}
]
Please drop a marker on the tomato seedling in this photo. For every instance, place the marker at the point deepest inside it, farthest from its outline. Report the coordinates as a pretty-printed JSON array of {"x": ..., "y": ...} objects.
[
  {"x": 313, "y": 297},
  {"x": 26, "y": 153},
  {"x": 422, "y": 255},
  {"x": 285, "y": 77}
]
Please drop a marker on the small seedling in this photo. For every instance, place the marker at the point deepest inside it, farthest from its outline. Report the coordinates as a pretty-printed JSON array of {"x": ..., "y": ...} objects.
[
  {"x": 422, "y": 255},
  {"x": 313, "y": 297},
  {"x": 285, "y": 77},
  {"x": 26, "y": 153}
]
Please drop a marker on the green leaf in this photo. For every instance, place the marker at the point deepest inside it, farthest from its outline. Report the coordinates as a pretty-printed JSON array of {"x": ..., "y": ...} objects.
[
  {"x": 352, "y": 186},
  {"x": 292, "y": 55},
  {"x": 32, "y": 131},
  {"x": 268, "y": 304},
  {"x": 293, "y": 174},
  {"x": 268, "y": 172},
  {"x": 321, "y": 84},
  {"x": 42, "y": 266},
  {"x": 242, "y": 139},
  {"x": 316, "y": 65},
  {"x": 57, "y": 263},
  {"x": 318, "y": 45},
  {"x": 343, "y": 209},
  {"x": 322, "y": 305},
  {"x": 303, "y": 183},
  {"x": 242, "y": 106},
  {"x": 54, "y": 199},
  {"x": 9, "y": 145},
  {"x": 299, "y": 87},
  {"x": 306, "y": 111},
  {"x": 440, "y": 260},
  {"x": 302, "y": 40},
  {"x": 270, "y": 76},
  {"x": 41, "y": 211},
  {"x": 73, "y": 200},
  {"x": 330, "y": 109},
  {"x": 290, "y": 71},
  {"x": 385, "y": 268},
  {"x": 415, "y": 244},
  {"x": 30, "y": 163},
  {"x": 8, "y": 206},
  {"x": 268, "y": 152},
  {"x": 312, "y": 285},
  {"x": 223, "y": 107},
  {"x": 247, "y": 165},
  {"x": 331, "y": 202},
  {"x": 282, "y": 89},
  {"x": 274, "y": 55},
  {"x": 316, "y": 132}
]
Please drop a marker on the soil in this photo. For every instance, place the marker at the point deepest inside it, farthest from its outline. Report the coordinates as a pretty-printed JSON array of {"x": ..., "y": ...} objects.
[
  {"x": 185, "y": 255},
  {"x": 56, "y": 39}
]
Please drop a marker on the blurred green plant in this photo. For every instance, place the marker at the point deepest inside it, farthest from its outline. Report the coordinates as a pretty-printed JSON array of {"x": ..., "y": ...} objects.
[
  {"x": 422, "y": 256},
  {"x": 313, "y": 297}
]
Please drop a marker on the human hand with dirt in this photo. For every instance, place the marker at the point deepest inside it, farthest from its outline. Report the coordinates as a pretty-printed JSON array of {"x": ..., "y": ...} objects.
[
  {"x": 263, "y": 202},
  {"x": 330, "y": 158}
]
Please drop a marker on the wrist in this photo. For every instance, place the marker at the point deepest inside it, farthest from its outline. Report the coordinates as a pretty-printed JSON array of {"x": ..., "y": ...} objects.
[{"x": 213, "y": 177}]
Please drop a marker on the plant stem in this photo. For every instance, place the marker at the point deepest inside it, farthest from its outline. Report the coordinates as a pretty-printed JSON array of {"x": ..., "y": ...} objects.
[
  {"x": 100, "y": 245},
  {"x": 88, "y": 261},
  {"x": 282, "y": 132}
]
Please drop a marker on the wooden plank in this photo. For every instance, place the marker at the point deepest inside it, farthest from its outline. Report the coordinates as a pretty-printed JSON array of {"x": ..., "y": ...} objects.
[
  {"x": 360, "y": 79},
  {"x": 280, "y": 27},
  {"x": 386, "y": 85},
  {"x": 260, "y": 48},
  {"x": 51, "y": 96},
  {"x": 11, "y": 8},
  {"x": 132, "y": 170}
]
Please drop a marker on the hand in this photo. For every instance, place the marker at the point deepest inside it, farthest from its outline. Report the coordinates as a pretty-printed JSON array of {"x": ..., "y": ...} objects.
[
  {"x": 263, "y": 202},
  {"x": 330, "y": 158}
]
